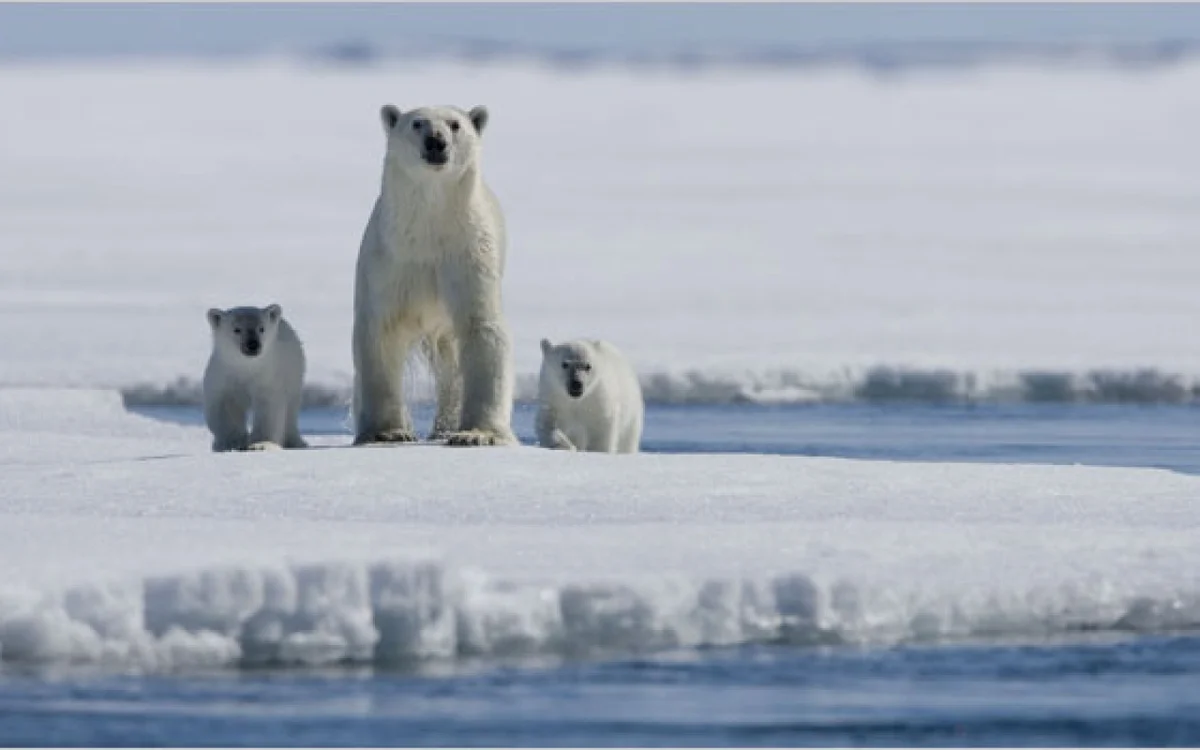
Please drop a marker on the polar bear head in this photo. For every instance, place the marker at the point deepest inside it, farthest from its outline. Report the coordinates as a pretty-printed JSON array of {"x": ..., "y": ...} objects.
[
  {"x": 433, "y": 140},
  {"x": 245, "y": 331},
  {"x": 568, "y": 367}
]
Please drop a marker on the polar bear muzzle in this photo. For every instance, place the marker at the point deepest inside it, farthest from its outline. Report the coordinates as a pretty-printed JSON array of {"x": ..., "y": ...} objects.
[
  {"x": 434, "y": 150},
  {"x": 251, "y": 345},
  {"x": 575, "y": 375}
]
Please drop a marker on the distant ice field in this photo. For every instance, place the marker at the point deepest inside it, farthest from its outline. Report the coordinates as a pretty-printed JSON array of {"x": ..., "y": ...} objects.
[{"x": 998, "y": 235}]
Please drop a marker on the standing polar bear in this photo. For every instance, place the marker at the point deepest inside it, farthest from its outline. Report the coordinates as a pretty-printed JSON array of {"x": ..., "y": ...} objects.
[
  {"x": 429, "y": 274},
  {"x": 589, "y": 399}
]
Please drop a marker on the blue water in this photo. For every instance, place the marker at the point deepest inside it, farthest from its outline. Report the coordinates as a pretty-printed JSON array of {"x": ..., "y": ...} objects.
[
  {"x": 1089, "y": 689},
  {"x": 1165, "y": 437},
  {"x": 1134, "y": 692}
]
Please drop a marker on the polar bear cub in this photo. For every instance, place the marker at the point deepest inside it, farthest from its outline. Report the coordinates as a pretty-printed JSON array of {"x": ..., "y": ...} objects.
[
  {"x": 589, "y": 398},
  {"x": 257, "y": 365}
]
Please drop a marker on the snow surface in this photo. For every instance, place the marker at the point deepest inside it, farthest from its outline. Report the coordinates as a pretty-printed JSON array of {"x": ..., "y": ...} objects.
[
  {"x": 1007, "y": 233},
  {"x": 125, "y": 543}
]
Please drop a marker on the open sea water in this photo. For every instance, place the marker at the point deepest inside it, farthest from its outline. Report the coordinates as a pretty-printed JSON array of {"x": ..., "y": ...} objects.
[{"x": 1089, "y": 689}]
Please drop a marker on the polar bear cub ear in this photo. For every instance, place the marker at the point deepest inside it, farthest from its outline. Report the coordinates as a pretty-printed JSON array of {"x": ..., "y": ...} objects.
[
  {"x": 546, "y": 347},
  {"x": 214, "y": 317},
  {"x": 389, "y": 115},
  {"x": 274, "y": 313},
  {"x": 479, "y": 118}
]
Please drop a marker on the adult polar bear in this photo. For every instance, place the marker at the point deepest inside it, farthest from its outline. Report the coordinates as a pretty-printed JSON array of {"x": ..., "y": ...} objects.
[{"x": 429, "y": 274}]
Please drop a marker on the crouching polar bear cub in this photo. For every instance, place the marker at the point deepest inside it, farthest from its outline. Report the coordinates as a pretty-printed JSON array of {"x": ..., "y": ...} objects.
[
  {"x": 589, "y": 399},
  {"x": 429, "y": 275},
  {"x": 257, "y": 365}
]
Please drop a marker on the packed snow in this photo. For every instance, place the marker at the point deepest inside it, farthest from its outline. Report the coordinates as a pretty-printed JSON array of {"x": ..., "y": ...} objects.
[
  {"x": 126, "y": 543},
  {"x": 1005, "y": 234}
]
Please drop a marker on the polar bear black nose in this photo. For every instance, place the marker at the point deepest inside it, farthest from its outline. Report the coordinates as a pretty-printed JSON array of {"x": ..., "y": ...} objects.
[
  {"x": 252, "y": 346},
  {"x": 435, "y": 144}
]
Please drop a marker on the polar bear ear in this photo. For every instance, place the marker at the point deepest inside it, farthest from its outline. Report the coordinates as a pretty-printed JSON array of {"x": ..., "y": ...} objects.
[
  {"x": 479, "y": 118},
  {"x": 546, "y": 347},
  {"x": 389, "y": 114},
  {"x": 214, "y": 317},
  {"x": 274, "y": 313}
]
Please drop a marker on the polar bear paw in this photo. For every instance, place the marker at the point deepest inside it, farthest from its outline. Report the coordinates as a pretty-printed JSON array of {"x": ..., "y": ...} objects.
[
  {"x": 383, "y": 437},
  {"x": 470, "y": 438},
  {"x": 560, "y": 442},
  {"x": 264, "y": 445}
]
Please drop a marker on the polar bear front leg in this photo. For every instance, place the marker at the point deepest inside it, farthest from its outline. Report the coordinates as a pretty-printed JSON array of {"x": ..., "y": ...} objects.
[
  {"x": 486, "y": 360},
  {"x": 381, "y": 416},
  {"x": 608, "y": 438},
  {"x": 444, "y": 356},
  {"x": 487, "y": 386},
  {"x": 549, "y": 436},
  {"x": 292, "y": 437},
  {"x": 269, "y": 425},
  {"x": 631, "y": 439},
  {"x": 225, "y": 413}
]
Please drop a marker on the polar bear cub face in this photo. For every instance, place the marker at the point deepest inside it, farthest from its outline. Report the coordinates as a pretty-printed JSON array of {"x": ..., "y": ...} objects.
[
  {"x": 433, "y": 139},
  {"x": 245, "y": 331},
  {"x": 569, "y": 366}
]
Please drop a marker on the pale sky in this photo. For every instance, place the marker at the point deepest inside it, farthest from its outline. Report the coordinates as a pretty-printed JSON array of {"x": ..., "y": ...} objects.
[{"x": 86, "y": 29}]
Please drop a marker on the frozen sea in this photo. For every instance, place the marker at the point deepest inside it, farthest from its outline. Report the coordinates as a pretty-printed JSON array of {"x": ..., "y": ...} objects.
[{"x": 922, "y": 458}]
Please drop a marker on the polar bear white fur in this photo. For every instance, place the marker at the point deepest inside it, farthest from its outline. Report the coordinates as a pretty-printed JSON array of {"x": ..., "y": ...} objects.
[
  {"x": 589, "y": 398},
  {"x": 428, "y": 278},
  {"x": 257, "y": 365}
]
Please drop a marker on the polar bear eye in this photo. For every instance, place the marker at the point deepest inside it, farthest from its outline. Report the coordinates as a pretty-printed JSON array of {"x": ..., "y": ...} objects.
[
  {"x": 237, "y": 330},
  {"x": 454, "y": 125},
  {"x": 587, "y": 368},
  {"x": 417, "y": 124},
  {"x": 566, "y": 366},
  {"x": 261, "y": 329}
]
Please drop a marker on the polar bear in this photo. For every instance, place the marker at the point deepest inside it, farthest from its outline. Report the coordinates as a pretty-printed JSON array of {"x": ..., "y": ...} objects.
[
  {"x": 257, "y": 365},
  {"x": 589, "y": 398},
  {"x": 429, "y": 273}
]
